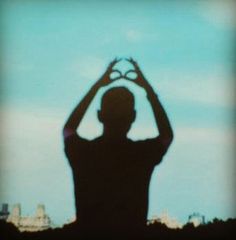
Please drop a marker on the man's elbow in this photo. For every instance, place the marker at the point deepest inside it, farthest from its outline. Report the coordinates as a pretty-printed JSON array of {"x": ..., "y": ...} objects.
[
  {"x": 171, "y": 136},
  {"x": 67, "y": 131},
  {"x": 167, "y": 139}
]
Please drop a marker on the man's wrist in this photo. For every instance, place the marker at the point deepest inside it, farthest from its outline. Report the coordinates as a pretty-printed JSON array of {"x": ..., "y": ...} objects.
[{"x": 151, "y": 94}]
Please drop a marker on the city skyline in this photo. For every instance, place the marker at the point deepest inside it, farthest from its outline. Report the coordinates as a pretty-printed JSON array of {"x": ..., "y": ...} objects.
[{"x": 40, "y": 220}]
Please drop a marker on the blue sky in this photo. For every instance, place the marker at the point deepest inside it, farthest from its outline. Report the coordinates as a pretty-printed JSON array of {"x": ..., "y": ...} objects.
[{"x": 51, "y": 54}]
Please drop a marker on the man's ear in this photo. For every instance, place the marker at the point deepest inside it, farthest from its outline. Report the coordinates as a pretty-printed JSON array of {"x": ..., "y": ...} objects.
[{"x": 100, "y": 118}]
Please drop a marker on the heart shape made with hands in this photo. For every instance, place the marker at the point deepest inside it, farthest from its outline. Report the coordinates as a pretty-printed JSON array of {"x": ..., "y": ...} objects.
[{"x": 126, "y": 76}]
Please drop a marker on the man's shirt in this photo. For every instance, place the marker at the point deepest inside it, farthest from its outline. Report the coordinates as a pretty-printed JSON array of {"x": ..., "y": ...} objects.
[{"x": 111, "y": 179}]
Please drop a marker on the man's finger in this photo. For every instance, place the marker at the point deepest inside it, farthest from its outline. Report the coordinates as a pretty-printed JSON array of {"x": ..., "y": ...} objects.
[
  {"x": 116, "y": 60},
  {"x": 131, "y": 60}
]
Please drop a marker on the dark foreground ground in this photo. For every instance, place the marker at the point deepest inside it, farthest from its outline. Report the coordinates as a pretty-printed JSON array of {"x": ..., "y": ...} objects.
[{"x": 215, "y": 230}]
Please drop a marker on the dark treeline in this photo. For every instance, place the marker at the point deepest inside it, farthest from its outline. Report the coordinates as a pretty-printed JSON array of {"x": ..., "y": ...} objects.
[{"x": 217, "y": 229}]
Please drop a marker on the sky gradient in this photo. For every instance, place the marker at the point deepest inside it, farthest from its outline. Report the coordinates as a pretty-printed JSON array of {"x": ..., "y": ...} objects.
[{"x": 53, "y": 51}]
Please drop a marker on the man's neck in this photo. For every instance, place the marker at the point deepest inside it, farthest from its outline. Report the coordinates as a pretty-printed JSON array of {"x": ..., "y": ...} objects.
[{"x": 114, "y": 136}]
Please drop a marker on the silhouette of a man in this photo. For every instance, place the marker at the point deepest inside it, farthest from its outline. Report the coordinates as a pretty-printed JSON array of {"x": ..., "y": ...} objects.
[{"x": 112, "y": 173}]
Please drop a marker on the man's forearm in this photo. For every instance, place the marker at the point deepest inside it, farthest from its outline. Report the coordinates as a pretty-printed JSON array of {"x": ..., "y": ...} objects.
[
  {"x": 79, "y": 112},
  {"x": 162, "y": 121}
]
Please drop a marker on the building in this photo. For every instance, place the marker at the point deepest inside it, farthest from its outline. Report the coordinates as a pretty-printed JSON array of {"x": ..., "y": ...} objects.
[
  {"x": 196, "y": 219},
  {"x": 4, "y": 213},
  {"x": 164, "y": 218},
  {"x": 40, "y": 221}
]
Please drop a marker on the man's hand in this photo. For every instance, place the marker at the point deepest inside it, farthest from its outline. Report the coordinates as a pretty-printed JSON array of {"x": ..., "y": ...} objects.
[
  {"x": 140, "y": 80},
  {"x": 105, "y": 79}
]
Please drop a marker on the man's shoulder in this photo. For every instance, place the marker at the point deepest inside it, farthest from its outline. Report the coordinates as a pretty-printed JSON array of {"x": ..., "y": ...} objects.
[
  {"x": 150, "y": 144},
  {"x": 77, "y": 139}
]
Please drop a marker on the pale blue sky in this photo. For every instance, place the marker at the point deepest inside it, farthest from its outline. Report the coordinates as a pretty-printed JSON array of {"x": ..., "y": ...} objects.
[{"x": 53, "y": 51}]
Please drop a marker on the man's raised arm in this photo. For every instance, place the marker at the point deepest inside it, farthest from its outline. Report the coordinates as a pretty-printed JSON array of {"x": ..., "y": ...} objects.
[
  {"x": 161, "y": 119},
  {"x": 77, "y": 115}
]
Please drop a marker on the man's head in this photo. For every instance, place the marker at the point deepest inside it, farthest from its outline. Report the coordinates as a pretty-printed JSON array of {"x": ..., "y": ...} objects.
[{"x": 117, "y": 110}]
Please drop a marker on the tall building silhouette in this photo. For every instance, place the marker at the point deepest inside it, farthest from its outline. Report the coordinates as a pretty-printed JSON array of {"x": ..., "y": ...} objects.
[
  {"x": 40, "y": 221},
  {"x": 4, "y": 213}
]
